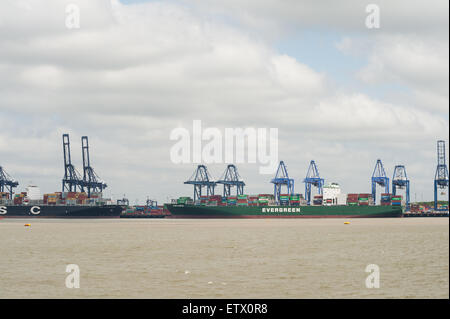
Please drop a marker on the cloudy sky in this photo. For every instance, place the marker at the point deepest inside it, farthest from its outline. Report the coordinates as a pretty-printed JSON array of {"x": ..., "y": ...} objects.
[{"x": 338, "y": 92}]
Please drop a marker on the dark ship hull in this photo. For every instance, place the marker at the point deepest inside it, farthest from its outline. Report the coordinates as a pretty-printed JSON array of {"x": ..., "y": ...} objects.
[{"x": 60, "y": 211}]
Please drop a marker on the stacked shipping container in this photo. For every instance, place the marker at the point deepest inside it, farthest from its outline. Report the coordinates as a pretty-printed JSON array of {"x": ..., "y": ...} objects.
[
  {"x": 214, "y": 200},
  {"x": 284, "y": 199},
  {"x": 364, "y": 199},
  {"x": 385, "y": 199},
  {"x": 231, "y": 200},
  {"x": 396, "y": 200},
  {"x": 253, "y": 201},
  {"x": 19, "y": 198},
  {"x": 144, "y": 211},
  {"x": 57, "y": 198},
  {"x": 294, "y": 199},
  {"x": 352, "y": 199},
  {"x": 263, "y": 199},
  {"x": 242, "y": 200},
  {"x": 318, "y": 200},
  {"x": 203, "y": 200},
  {"x": 4, "y": 195}
]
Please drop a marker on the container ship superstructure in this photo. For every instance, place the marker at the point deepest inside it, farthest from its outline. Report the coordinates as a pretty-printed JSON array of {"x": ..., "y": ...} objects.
[{"x": 81, "y": 197}]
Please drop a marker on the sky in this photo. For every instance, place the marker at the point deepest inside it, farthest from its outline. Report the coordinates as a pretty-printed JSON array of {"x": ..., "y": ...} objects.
[{"x": 338, "y": 92}]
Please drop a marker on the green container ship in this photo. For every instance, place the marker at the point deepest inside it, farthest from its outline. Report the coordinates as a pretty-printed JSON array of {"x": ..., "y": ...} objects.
[
  {"x": 329, "y": 203},
  {"x": 341, "y": 211}
]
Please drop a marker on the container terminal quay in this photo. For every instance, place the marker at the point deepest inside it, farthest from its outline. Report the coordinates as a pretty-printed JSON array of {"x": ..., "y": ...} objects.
[{"x": 81, "y": 195}]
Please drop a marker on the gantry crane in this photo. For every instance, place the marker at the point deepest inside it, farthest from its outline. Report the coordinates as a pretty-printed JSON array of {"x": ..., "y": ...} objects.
[
  {"x": 441, "y": 180},
  {"x": 71, "y": 181},
  {"x": 282, "y": 179},
  {"x": 201, "y": 178},
  {"x": 7, "y": 183},
  {"x": 379, "y": 178},
  {"x": 400, "y": 180},
  {"x": 91, "y": 181},
  {"x": 230, "y": 178},
  {"x": 312, "y": 179}
]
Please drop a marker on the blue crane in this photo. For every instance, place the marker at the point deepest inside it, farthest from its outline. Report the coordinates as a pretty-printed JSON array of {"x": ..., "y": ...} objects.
[
  {"x": 230, "y": 178},
  {"x": 400, "y": 180},
  {"x": 72, "y": 180},
  {"x": 90, "y": 179},
  {"x": 441, "y": 180},
  {"x": 312, "y": 179},
  {"x": 379, "y": 177},
  {"x": 282, "y": 179},
  {"x": 201, "y": 178},
  {"x": 7, "y": 183}
]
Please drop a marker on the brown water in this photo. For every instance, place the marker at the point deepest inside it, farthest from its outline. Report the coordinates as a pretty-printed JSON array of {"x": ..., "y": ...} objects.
[{"x": 156, "y": 258}]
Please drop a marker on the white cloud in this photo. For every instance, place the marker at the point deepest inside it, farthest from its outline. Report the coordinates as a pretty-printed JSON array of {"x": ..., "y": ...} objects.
[
  {"x": 418, "y": 63},
  {"x": 273, "y": 18},
  {"x": 132, "y": 73},
  {"x": 411, "y": 59}
]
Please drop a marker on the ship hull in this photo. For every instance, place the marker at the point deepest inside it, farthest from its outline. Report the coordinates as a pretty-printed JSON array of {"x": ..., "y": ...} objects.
[
  {"x": 192, "y": 211},
  {"x": 59, "y": 211},
  {"x": 142, "y": 216}
]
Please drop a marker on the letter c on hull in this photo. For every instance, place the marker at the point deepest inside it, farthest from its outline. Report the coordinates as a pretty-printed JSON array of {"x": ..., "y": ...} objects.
[
  {"x": 35, "y": 210},
  {"x": 3, "y": 210}
]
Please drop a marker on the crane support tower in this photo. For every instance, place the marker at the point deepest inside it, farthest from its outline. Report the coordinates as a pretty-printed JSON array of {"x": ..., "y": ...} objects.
[
  {"x": 7, "y": 183},
  {"x": 400, "y": 180},
  {"x": 312, "y": 179},
  {"x": 282, "y": 179},
  {"x": 441, "y": 180},
  {"x": 71, "y": 181},
  {"x": 201, "y": 178},
  {"x": 231, "y": 178},
  {"x": 90, "y": 179},
  {"x": 379, "y": 178}
]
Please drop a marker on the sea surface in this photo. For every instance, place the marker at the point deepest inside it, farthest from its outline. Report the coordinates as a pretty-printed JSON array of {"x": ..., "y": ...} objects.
[{"x": 268, "y": 258}]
